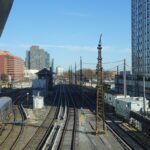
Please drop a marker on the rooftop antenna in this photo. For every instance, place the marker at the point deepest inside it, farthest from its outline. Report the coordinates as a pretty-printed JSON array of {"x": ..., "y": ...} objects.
[
  {"x": 81, "y": 82},
  {"x": 75, "y": 74},
  {"x": 125, "y": 79}
]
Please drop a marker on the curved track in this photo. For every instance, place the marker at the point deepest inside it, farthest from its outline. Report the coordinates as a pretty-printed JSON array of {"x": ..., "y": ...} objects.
[
  {"x": 40, "y": 136},
  {"x": 13, "y": 136}
]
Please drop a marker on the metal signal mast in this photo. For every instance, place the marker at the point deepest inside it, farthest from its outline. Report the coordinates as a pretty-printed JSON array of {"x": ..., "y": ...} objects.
[
  {"x": 100, "y": 124},
  {"x": 81, "y": 82}
]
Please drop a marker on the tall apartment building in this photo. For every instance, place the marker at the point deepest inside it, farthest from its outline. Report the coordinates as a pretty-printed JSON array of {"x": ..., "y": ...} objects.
[
  {"x": 141, "y": 37},
  {"x": 37, "y": 58},
  {"x": 11, "y": 65}
]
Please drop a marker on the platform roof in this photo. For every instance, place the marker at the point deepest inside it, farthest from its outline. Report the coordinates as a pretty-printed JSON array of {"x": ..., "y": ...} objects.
[{"x": 5, "y": 7}]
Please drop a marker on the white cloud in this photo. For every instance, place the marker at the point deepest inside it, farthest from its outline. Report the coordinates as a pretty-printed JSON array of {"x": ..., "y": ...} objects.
[{"x": 74, "y": 48}]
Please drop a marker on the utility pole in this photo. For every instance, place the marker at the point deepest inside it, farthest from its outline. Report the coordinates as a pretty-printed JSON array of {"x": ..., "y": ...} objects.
[
  {"x": 144, "y": 95},
  {"x": 91, "y": 79},
  {"x": 52, "y": 65},
  {"x": 80, "y": 71},
  {"x": 71, "y": 75},
  {"x": 118, "y": 79},
  {"x": 100, "y": 118},
  {"x": 27, "y": 99},
  {"x": 68, "y": 76},
  {"x": 117, "y": 70},
  {"x": 52, "y": 72},
  {"x": 81, "y": 82},
  {"x": 125, "y": 80},
  {"x": 75, "y": 74}
]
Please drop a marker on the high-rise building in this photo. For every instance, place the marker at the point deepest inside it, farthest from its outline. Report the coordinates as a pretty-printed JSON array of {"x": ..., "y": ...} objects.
[
  {"x": 141, "y": 37},
  {"x": 59, "y": 70},
  {"x": 37, "y": 58},
  {"x": 5, "y": 7},
  {"x": 11, "y": 66}
]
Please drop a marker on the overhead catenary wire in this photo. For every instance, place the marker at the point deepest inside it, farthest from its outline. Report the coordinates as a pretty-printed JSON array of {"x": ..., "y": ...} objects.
[
  {"x": 113, "y": 68},
  {"x": 91, "y": 63}
]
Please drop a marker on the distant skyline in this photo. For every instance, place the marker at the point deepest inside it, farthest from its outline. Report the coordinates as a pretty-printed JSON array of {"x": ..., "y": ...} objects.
[{"x": 70, "y": 29}]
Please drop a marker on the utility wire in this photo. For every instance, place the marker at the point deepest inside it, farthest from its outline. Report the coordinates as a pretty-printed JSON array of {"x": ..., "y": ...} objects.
[
  {"x": 115, "y": 67},
  {"x": 89, "y": 63}
]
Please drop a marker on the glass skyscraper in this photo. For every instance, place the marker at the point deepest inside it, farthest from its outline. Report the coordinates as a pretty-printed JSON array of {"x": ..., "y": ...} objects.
[{"x": 141, "y": 37}]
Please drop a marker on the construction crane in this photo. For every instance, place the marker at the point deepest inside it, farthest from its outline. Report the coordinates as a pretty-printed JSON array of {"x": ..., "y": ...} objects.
[{"x": 100, "y": 123}]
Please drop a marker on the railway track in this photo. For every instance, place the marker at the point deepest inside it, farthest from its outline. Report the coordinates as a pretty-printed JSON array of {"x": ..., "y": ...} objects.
[
  {"x": 21, "y": 129},
  {"x": 131, "y": 135},
  {"x": 124, "y": 139},
  {"x": 86, "y": 105},
  {"x": 127, "y": 140},
  {"x": 11, "y": 138},
  {"x": 65, "y": 125},
  {"x": 61, "y": 124},
  {"x": 55, "y": 136},
  {"x": 14, "y": 134},
  {"x": 68, "y": 137},
  {"x": 39, "y": 138},
  {"x": 64, "y": 133},
  {"x": 52, "y": 136},
  {"x": 145, "y": 141},
  {"x": 73, "y": 117},
  {"x": 16, "y": 95}
]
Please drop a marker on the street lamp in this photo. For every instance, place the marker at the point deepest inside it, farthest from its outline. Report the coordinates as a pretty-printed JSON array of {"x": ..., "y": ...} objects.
[{"x": 27, "y": 98}]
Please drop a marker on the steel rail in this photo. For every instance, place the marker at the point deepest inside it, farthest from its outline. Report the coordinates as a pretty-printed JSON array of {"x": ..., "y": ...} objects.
[
  {"x": 51, "y": 137},
  {"x": 12, "y": 132},
  {"x": 47, "y": 124},
  {"x": 120, "y": 139},
  {"x": 74, "y": 123},
  {"x": 21, "y": 130},
  {"x": 133, "y": 137},
  {"x": 13, "y": 125},
  {"x": 66, "y": 122}
]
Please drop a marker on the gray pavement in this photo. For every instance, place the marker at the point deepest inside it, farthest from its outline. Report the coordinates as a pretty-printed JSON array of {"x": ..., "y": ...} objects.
[{"x": 88, "y": 140}]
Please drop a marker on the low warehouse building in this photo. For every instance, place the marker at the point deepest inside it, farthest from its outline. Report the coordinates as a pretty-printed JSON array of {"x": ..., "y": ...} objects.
[
  {"x": 5, "y": 108},
  {"x": 125, "y": 105},
  {"x": 110, "y": 98}
]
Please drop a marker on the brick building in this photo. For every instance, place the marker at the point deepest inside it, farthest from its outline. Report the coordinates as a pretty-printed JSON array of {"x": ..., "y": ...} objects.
[{"x": 11, "y": 65}]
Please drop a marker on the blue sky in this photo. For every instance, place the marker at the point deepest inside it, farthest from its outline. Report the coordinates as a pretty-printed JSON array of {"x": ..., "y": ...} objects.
[{"x": 68, "y": 29}]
